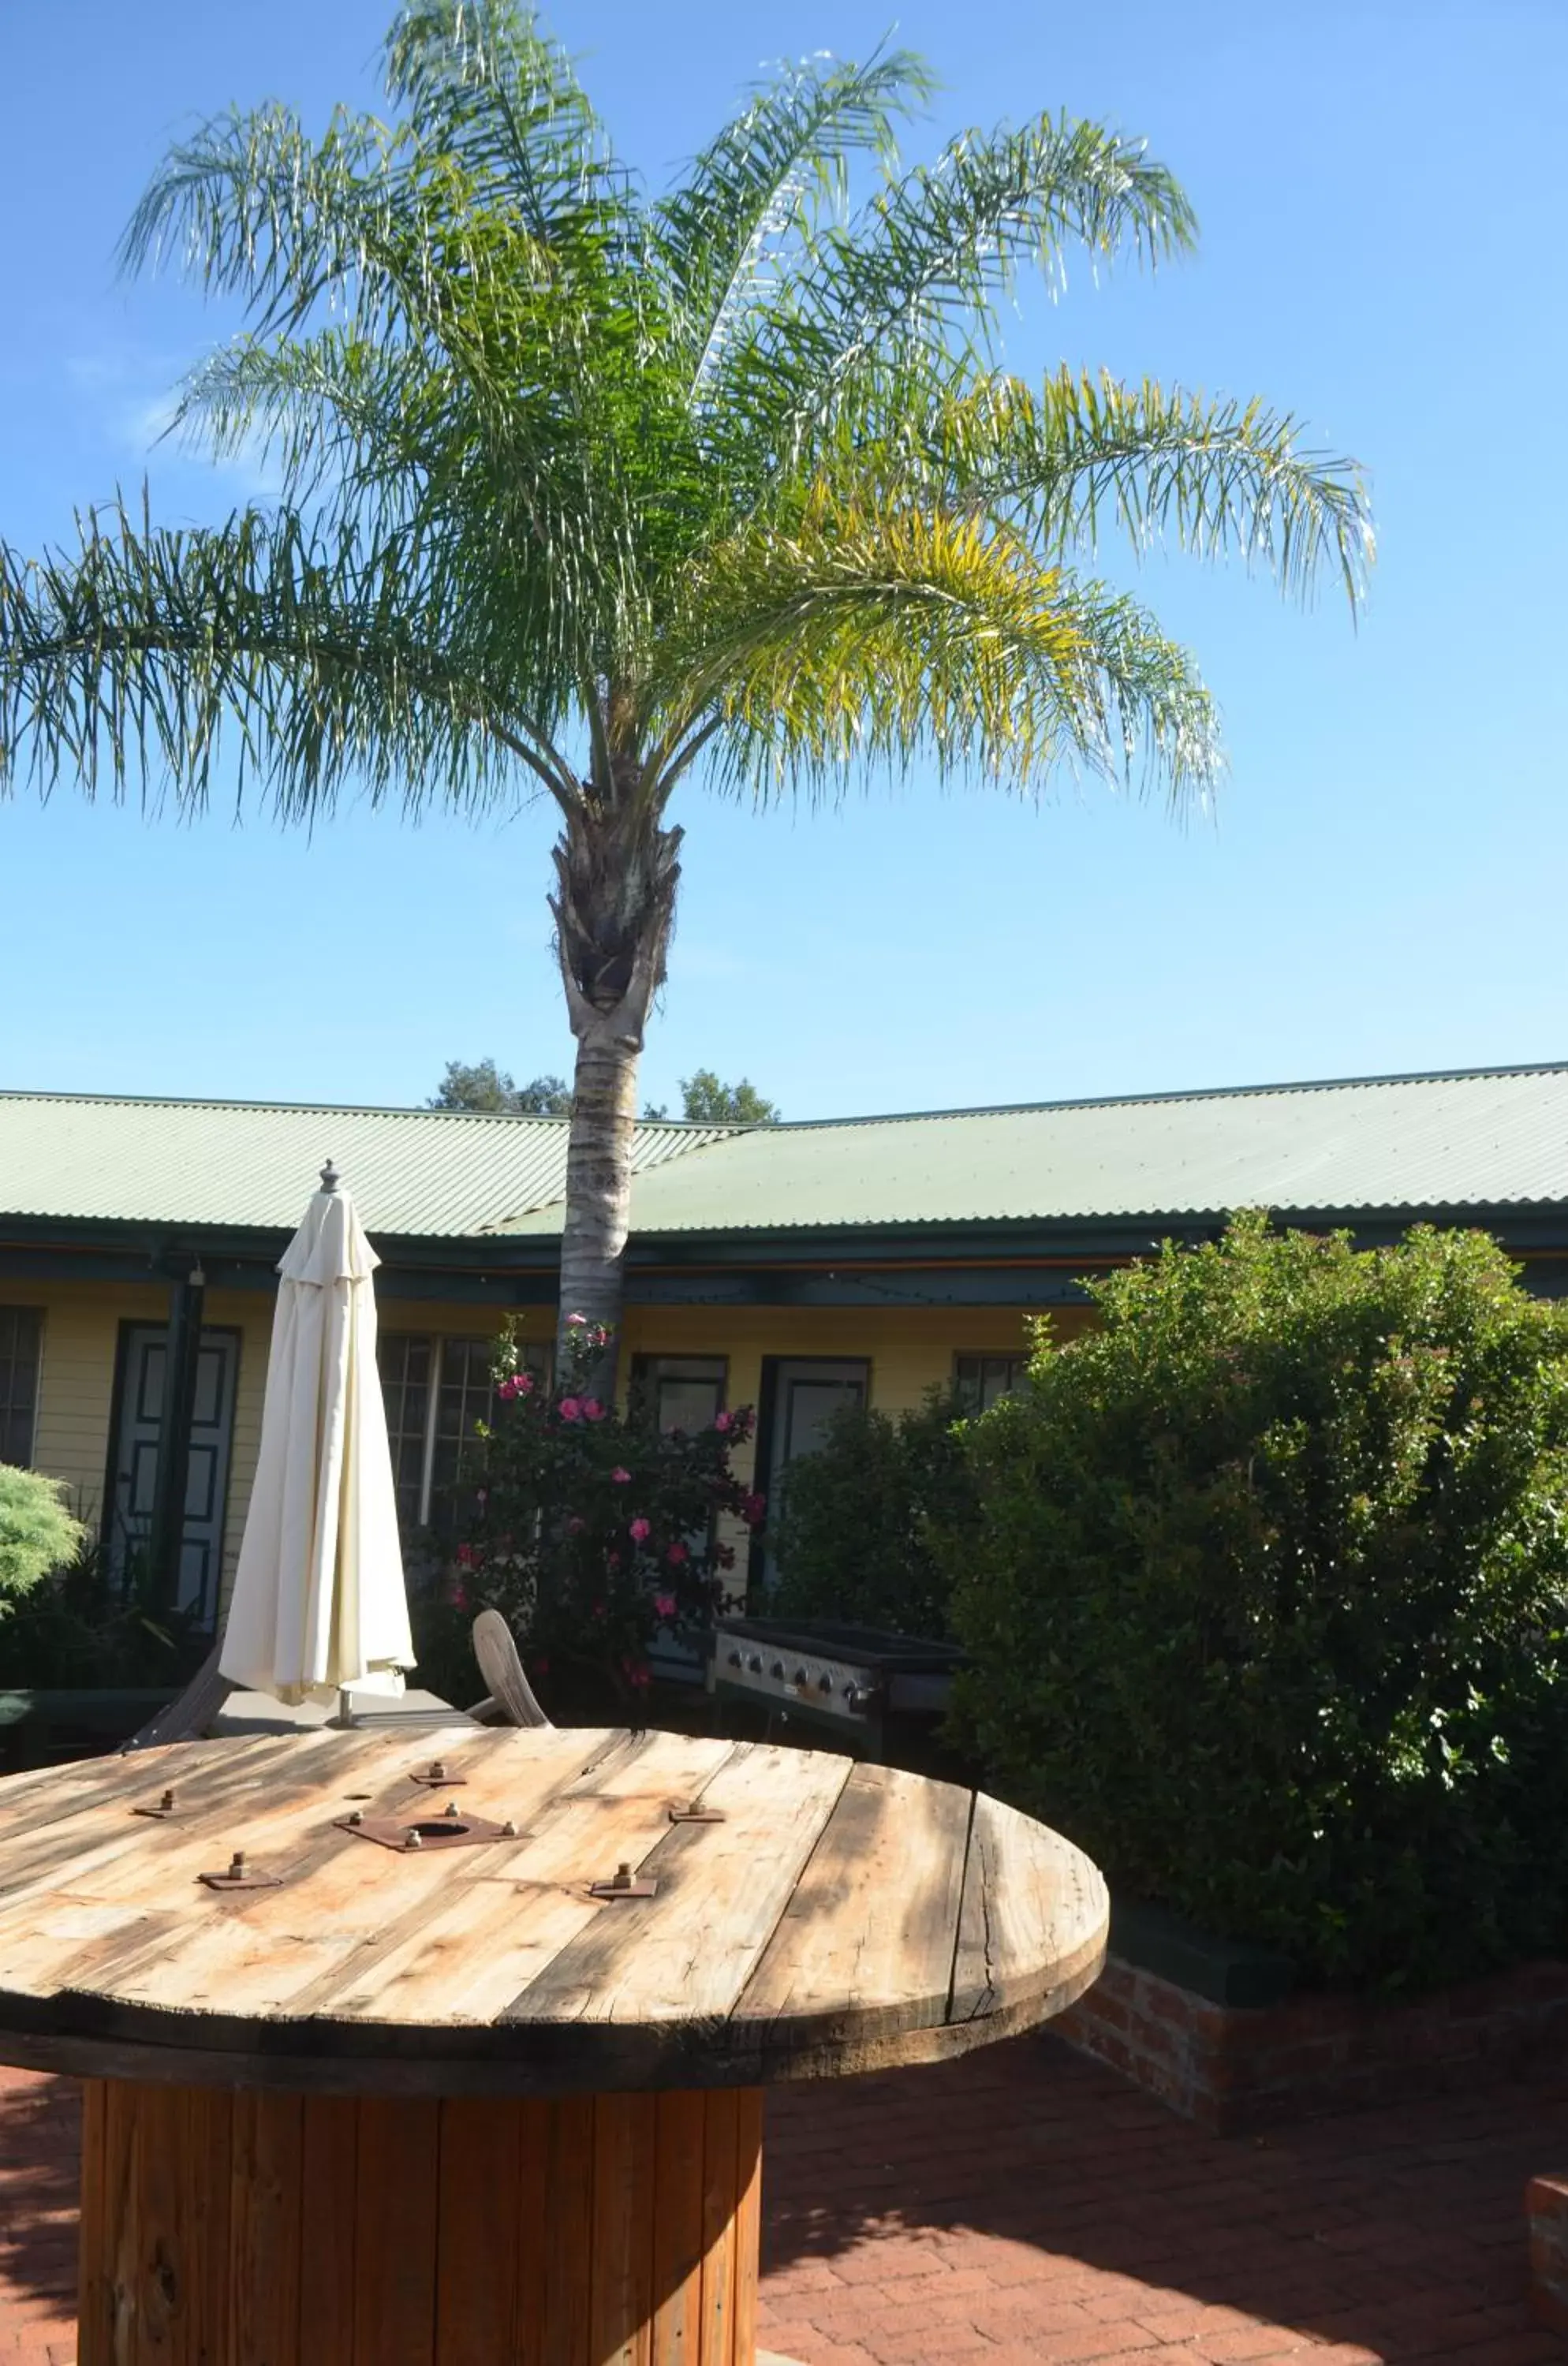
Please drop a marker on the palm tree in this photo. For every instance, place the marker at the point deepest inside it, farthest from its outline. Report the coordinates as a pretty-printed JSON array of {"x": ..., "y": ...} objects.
[{"x": 584, "y": 490}]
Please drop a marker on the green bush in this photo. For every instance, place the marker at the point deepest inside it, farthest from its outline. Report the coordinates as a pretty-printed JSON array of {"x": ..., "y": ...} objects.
[
  {"x": 858, "y": 1516},
  {"x": 36, "y": 1533},
  {"x": 1269, "y": 1599}
]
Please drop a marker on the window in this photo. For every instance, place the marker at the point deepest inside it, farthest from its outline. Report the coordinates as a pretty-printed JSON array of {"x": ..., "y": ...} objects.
[
  {"x": 435, "y": 1391},
  {"x": 21, "y": 1335},
  {"x": 981, "y": 1380},
  {"x": 405, "y": 1360},
  {"x": 681, "y": 1392},
  {"x": 465, "y": 1396}
]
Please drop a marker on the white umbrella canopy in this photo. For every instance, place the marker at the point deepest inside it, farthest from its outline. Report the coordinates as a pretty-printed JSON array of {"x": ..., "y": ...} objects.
[{"x": 319, "y": 1601}]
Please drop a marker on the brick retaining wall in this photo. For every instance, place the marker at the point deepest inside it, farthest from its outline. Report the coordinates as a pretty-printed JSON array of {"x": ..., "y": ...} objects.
[{"x": 1232, "y": 2069}]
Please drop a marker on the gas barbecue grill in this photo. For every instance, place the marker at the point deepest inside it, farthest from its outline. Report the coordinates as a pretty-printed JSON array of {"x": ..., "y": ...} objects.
[{"x": 861, "y": 1682}]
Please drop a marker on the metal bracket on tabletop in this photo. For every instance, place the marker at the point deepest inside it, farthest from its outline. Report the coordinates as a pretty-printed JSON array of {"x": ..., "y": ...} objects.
[
  {"x": 624, "y": 1884},
  {"x": 240, "y": 1876}
]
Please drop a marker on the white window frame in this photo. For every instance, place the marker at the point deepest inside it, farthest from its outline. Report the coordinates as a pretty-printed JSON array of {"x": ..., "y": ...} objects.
[{"x": 437, "y": 1342}]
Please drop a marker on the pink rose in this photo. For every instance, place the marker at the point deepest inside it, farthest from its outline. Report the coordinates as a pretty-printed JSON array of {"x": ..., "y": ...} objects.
[
  {"x": 575, "y": 1321},
  {"x": 575, "y": 1527},
  {"x": 676, "y": 1555},
  {"x": 459, "y": 1597},
  {"x": 721, "y": 1421},
  {"x": 571, "y": 1408},
  {"x": 664, "y": 1605},
  {"x": 639, "y": 1676},
  {"x": 753, "y": 1510},
  {"x": 465, "y": 1556},
  {"x": 621, "y": 1478},
  {"x": 524, "y": 1384},
  {"x": 640, "y": 1531},
  {"x": 591, "y": 1409}
]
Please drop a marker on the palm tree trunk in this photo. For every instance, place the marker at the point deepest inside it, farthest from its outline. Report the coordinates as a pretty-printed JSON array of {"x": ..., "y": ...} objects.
[{"x": 617, "y": 874}]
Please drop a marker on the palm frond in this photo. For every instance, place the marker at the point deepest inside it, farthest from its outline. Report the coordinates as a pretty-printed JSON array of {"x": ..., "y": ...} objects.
[
  {"x": 320, "y": 407},
  {"x": 771, "y": 166},
  {"x": 874, "y": 635},
  {"x": 147, "y": 655},
  {"x": 250, "y": 205},
  {"x": 1083, "y": 453},
  {"x": 924, "y": 266},
  {"x": 485, "y": 86}
]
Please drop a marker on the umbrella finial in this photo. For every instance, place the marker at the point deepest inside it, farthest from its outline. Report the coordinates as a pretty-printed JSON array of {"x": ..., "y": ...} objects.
[{"x": 328, "y": 1177}]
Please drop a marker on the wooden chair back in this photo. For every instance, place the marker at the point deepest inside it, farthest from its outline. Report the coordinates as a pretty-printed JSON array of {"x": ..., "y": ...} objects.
[{"x": 509, "y": 1693}]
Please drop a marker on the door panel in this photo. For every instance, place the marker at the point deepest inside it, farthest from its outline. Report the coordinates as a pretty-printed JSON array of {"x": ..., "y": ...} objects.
[
  {"x": 137, "y": 1430},
  {"x": 806, "y": 1397}
]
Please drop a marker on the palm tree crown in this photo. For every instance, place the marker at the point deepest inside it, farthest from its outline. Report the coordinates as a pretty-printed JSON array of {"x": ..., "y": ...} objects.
[{"x": 582, "y": 489}]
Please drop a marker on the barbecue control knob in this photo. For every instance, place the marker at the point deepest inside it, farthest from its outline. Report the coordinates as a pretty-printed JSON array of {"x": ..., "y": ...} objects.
[
  {"x": 776, "y": 1672},
  {"x": 735, "y": 1659},
  {"x": 857, "y": 1699},
  {"x": 799, "y": 1677},
  {"x": 755, "y": 1664},
  {"x": 824, "y": 1682}
]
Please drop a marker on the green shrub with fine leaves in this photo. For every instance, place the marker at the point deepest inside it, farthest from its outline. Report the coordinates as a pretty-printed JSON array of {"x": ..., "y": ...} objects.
[
  {"x": 36, "y": 1533},
  {"x": 855, "y": 1531},
  {"x": 1267, "y": 1601}
]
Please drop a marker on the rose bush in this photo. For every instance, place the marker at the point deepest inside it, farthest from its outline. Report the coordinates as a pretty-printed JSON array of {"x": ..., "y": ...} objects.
[{"x": 590, "y": 1530}]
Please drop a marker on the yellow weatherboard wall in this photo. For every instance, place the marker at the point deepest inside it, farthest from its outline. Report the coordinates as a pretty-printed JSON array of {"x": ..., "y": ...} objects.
[{"x": 909, "y": 1349}]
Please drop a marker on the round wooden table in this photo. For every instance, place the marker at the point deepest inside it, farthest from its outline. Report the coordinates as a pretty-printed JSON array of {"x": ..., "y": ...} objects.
[{"x": 491, "y": 2096}]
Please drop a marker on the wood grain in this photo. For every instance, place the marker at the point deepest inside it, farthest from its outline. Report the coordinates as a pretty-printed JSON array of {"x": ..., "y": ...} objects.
[
  {"x": 480, "y": 2201},
  {"x": 748, "y": 2230},
  {"x": 677, "y": 2234},
  {"x": 837, "y": 1918},
  {"x": 397, "y": 2224},
  {"x": 563, "y": 2335},
  {"x": 619, "y": 2330},
  {"x": 610, "y": 2230},
  {"x": 266, "y": 2227},
  {"x": 328, "y": 2219},
  {"x": 868, "y": 1940},
  {"x": 721, "y": 2184},
  {"x": 1033, "y": 1916}
]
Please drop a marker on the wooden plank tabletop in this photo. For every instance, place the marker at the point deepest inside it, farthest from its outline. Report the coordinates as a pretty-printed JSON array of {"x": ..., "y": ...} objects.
[{"x": 828, "y": 1916}]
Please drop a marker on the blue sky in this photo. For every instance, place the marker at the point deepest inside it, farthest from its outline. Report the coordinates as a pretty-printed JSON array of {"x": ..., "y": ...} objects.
[{"x": 1383, "y": 887}]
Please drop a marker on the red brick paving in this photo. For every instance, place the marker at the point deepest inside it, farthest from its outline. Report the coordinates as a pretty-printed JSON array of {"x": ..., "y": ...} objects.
[{"x": 1024, "y": 2208}]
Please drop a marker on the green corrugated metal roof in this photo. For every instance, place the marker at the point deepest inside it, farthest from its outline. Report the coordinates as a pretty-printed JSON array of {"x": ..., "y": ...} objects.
[
  {"x": 435, "y": 1173},
  {"x": 1485, "y": 1138},
  {"x": 1481, "y": 1139}
]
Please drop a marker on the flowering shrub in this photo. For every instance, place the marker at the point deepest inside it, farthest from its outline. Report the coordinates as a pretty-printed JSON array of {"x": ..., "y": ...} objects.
[{"x": 589, "y": 1530}]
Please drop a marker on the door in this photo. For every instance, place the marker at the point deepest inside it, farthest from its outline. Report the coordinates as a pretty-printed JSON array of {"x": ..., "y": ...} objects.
[
  {"x": 803, "y": 1398},
  {"x": 137, "y": 1432}
]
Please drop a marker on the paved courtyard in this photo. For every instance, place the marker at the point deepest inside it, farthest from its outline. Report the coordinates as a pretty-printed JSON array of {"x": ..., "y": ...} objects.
[{"x": 1024, "y": 2208}]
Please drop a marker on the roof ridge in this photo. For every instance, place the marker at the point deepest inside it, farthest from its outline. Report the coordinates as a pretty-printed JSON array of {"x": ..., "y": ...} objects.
[
  {"x": 722, "y": 1129},
  {"x": 349, "y": 1109},
  {"x": 1193, "y": 1093}
]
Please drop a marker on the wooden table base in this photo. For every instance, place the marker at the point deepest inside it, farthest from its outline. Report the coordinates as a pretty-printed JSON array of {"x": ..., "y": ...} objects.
[{"x": 265, "y": 2229}]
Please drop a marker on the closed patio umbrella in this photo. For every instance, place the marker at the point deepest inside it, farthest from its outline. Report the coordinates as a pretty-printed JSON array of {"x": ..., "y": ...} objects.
[{"x": 319, "y": 1601}]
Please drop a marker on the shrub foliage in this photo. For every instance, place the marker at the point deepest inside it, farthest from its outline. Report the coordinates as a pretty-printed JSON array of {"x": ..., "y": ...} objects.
[
  {"x": 855, "y": 1538},
  {"x": 38, "y": 1535},
  {"x": 1268, "y": 1599}
]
